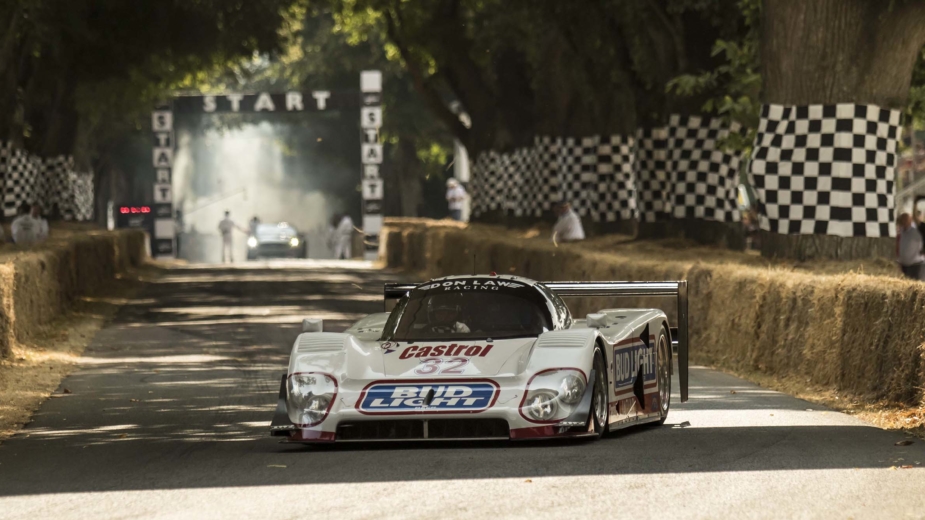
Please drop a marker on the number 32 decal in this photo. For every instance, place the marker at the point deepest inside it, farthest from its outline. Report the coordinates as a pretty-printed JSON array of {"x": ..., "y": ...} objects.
[{"x": 432, "y": 366}]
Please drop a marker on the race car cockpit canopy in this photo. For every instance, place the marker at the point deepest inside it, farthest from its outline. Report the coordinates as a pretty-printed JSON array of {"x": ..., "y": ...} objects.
[{"x": 469, "y": 308}]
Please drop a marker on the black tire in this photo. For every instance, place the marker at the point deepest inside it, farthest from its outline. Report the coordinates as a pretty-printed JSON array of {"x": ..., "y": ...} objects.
[
  {"x": 600, "y": 404},
  {"x": 663, "y": 374}
]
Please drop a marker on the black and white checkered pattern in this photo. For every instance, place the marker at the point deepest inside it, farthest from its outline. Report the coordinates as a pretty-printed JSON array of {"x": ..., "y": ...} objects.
[
  {"x": 577, "y": 161},
  {"x": 25, "y": 178},
  {"x": 507, "y": 171},
  {"x": 547, "y": 189},
  {"x": 488, "y": 188},
  {"x": 521, "y": 164},
  {"x": 652, "y": 183},
  {"x": 615, "y": 197},
  {"x": 523, "y": 183},
  {"x": 20, "y": 175},
  {"x": 705, "y": 177},
  {"x": 82, "y": 196},
  {"x": 826, "y": 169},
  {"x": 56, "y": 182},
  {"x": 679, "y": 171}
]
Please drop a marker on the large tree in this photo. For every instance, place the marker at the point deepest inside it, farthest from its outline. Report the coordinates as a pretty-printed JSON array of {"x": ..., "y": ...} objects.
[
  {"x": 76, "y": 76},
  {"x": 838, "y": 51}
]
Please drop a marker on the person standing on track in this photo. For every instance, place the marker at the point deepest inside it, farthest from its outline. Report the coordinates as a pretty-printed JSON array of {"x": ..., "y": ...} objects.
[
  {"x": 227, "y": 227},
  {"x": 342, "y": 237}
]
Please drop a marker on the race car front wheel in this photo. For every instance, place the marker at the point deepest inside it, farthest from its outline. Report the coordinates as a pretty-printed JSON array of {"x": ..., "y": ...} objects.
[
  {"x": 663, "y": 368},
  {"x": 600, "y": 406}
]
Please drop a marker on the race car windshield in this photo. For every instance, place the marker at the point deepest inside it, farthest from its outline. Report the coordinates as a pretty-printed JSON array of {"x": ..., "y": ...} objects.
[{"x": 470, "y": 309}]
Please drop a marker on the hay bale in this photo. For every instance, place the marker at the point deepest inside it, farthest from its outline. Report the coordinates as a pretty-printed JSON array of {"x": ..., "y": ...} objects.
[{"x": 37, "y": 285}]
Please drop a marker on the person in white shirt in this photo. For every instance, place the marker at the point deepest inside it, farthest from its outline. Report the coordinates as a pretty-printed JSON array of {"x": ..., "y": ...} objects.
[
  {"x": 227, "y": 227},
  {"x": 568, "y": 228},
  {"x": 342, "y": 238},
  {"x": 455, "y": 198},
  {"x": 29, "y": 228}
]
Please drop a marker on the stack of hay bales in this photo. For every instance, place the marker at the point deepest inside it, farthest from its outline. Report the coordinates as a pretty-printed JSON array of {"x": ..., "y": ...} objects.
[
  {"x": 38, "y": 285},
  {"x": 857, "y": 334}
]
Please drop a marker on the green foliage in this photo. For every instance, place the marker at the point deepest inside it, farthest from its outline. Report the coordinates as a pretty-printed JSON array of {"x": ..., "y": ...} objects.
[
  {"x": 734, "y": 85},
  {"x": 105, "y": 62},
  {"x": 915, "y": 108}
]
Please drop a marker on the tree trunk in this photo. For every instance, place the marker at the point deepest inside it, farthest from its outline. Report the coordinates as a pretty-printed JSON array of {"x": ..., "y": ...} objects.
[
  {"x": 826, "y": 52},
  {"x": 10, "y": 48},
  {"x": 840, "y": 51},
  {"x": 404, "y": 191},
  {"x": 809, "y": 247}
]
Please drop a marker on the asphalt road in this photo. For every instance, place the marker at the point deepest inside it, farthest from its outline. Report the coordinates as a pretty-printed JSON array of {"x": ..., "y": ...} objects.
[{"x": 167, "y": 419}]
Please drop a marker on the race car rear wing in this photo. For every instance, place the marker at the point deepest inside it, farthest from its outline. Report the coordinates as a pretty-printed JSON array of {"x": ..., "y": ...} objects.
[{"x": 679, "y": 335}]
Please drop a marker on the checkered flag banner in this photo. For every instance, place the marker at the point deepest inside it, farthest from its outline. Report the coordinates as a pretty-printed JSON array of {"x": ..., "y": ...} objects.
[
  {"x": 82, "y": 196},
  {"x": 546, "y": 190},
  {"x": 615, "y": 197},
  {"x": 577, "y": 164},
  {"x": 20, "y": 174},
  {"x": 679, "y": 171},
  {"x": 826, "y": 169},
  {"x": 705, "y": 178},
  {"x": 652, "y": 184},
  {"x": 26, "y": 178},
  {"x": 488, "y": 187}
]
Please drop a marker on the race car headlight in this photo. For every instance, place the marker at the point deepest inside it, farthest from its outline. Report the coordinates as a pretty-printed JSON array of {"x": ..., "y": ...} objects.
[
  {"x": 293, "y": 242},
  {"x": 251, "y": 242},
  {"x": 571, "y": 389},
  {"x": 552, "y": 395},
  {"x": 311, "y": 395},
  {"x": 541, "y": 406}
]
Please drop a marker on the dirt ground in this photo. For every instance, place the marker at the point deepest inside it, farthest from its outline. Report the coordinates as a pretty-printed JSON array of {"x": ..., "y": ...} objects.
[{"x": 36, "y": 369}]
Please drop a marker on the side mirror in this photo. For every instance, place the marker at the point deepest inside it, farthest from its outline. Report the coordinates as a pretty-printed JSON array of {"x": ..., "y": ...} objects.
[
  {"x": 312, "y": 325},
  {"x": 596, "y": 321}
]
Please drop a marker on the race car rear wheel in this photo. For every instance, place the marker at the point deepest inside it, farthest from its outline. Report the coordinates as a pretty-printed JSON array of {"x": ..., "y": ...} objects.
[
  {"x": 600, "y": 405},
  {"x": 663, "y": 367}
]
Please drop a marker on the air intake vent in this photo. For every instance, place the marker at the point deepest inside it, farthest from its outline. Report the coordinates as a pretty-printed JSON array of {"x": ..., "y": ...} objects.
[
  {"x": 562, "y": 340},
  {"x": 432, "y": 429},
  {"x": 321, "y": 343}
]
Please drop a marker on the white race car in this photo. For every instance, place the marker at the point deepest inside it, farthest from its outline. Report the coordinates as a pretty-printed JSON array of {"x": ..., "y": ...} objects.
[{"x": 486, "y": 357}]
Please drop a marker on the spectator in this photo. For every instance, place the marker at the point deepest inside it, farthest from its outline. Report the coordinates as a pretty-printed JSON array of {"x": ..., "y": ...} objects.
[
  {"x": 227, "y": 227},
  {"x": 252, "y": 226},
  {"x": 568, "y": 226},
  {"x": 29, "y": 228},
  {"x": 37, "y": 214},
  {"x": 917, "y": 220},
  {"x": 342, "y": 237},
  {"x": 910, "y": 247},
  {"x": 455, "y": 198}
]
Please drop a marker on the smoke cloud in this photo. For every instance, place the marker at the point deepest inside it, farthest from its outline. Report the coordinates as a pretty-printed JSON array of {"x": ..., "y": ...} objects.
[{"x": 300, "y": 174}]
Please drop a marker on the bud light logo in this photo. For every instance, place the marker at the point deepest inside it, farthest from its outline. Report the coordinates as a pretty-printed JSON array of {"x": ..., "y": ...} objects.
[{"x": 388, "y": 398}]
